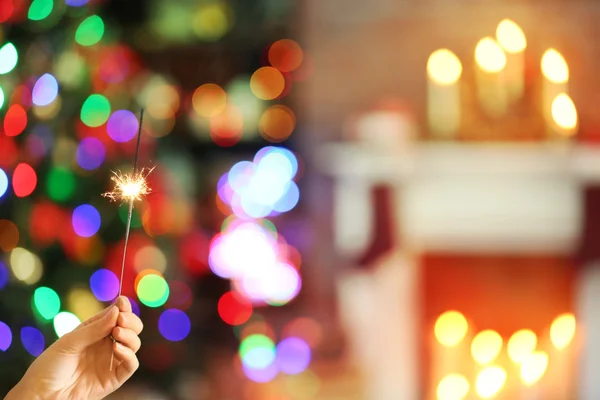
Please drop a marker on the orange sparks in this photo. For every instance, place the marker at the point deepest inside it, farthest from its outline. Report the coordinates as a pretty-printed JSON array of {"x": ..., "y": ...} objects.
[{"x": 129, "y": 187}]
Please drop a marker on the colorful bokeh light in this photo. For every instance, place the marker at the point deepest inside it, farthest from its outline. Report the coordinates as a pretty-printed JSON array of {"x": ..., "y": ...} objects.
[
  {"x": 33, "y": 340},
  {"x": 46, "y": 302},
  {"x": 8, "y": 58},
  {"x": 3, "y": 182},
  {"x": 65, "y": 322},
  {"x": 209, "y": 100},
  {"x": 286, "y": 55},
  {"x": 153, "y": 290},
  {"x": 86, "y": 220},
  {"x": 257, "y": 352},
  {"x": 15, "y": 120},
  {"x": 234, "y": 309},
  {"x": 293, "y": 355},
  {"x": 60, "y": 184},
  {"x": 4, "y": 275},
  {"x": 122, "y": 126},
  {"x": 40, "y": 9},
  {"x": 267, "y": 83},
  {"x": 104, "y": 284},
  {"x": 5, "y": 336},
  {"x": 45, "y": 90},
  {"x": 24, "y": 180},
  {"x": 90, "y": 31},
  {"x": 90, "y": 153},
  {"x": 174, "y": 325},
  {"x": 95, "y": 110}
]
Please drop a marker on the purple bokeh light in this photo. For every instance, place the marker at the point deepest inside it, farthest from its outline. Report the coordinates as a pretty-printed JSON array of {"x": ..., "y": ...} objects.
[
  {"x": 86, "y": 220},
  {"x": 293, "y": 355},
  {"x": 122, "y": 126},
  {"x": 90, "y": 153},
  {"x": 105, "y": 285},
  {"x": 33, "y": 340},
  {"x": 5, "y": 336}
]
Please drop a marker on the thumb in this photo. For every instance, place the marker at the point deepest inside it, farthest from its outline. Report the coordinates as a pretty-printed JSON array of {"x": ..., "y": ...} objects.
[{"x": 79, "y": 339}]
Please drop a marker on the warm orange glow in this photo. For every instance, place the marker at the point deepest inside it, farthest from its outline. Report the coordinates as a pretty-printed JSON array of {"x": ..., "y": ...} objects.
[
  {"x": 511, "y": 36},
  {"x": 267, "y": 83},
  {"x": 554, "y": 67},
  {"x": 486, "y": 346},
  {"x": 451, "y": 328},
  {"x": 534, "y": 367},
  {"x": 563, "y": 330},
  {"x": 286, "y": 55},
  {"x": 489, "y": 56},
  {"x": 453, "y": 387},
  {"x": 444, "y": 67},
  {"x": 277, "y": 123},
  {"x": 490, "y": 382},
  {"x": 521, "y": 344},
  {"x": 209, "y": 100}
]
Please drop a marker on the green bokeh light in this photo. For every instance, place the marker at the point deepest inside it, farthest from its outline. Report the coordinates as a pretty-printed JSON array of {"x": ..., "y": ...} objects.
[
  {"x": 95, "y": 110},
  {"x": 60, "y": 184},
  {"x": 136, "y": 222},
  {"x": 46, "y": 302},
  {"x": 90, "y": 31},
  {"x": 40, "y": 9},
  {"x": 254, "y": 342},
  {"x": 153, "y": 290},
  {"x": 8, "y": 58},
  {"x": 1, "y": 97}
]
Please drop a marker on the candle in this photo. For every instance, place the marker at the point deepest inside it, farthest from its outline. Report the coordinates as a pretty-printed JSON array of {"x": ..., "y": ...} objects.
[
  {"x": 555, "y": 82},
  {"x": 444, "y": 70},
  {"x": 449, "y": 348},
  {"x": 562, "y": 333},
  {"x": 512, "y": 39},
  {"x": 532, "y": 370},
  {"x": 490, "y": 74}
]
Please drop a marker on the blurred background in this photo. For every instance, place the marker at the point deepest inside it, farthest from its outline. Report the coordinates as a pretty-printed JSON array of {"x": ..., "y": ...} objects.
[{"x": 350, "y": 200}]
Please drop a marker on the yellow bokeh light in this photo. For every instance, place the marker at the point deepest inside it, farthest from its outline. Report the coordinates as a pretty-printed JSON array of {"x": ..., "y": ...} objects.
[
  {"x": 451, "y": 328},
  {"x": 212, "y": 21},
  {"x": 486, "y": 346},
  {"x": 209, "y": 100},
  {"x": 453, "y": 387},
  {"x": 490, "y": 382},
  {"x": 26, "y": 266},
  {"x": 83, "y": 303},
  {"x": 511, "y": 36},
  {"x": 444, "y": 67},
  {"x": 489, "y": 56},
  {"x": 534, "y": 367},
  {"x": 562, "y": 330},
  {"x": 554, "y": 67},
  {"x": 521, "y": 344},
  {"x": 564, "y": 112}
]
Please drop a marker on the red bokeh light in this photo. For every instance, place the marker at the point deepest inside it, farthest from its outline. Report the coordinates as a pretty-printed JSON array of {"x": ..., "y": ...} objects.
[
  {"x": 9, "y": 152},
  {"x": 7, "y": 8},
  {"x": 24, "y": 180},
  {"x": 46, "y": 222},
  {"x": 15, "y": 120},
  {"x": 193, "y": 253},
  {"x": 234, "y": 309}
]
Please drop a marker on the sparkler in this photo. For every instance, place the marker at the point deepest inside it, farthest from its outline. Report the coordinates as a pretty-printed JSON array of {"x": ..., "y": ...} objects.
[{"x": 129, "y": 187}]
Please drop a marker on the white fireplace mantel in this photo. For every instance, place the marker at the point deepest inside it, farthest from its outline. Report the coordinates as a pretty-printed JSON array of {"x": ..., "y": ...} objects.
[{"x": 466, "y": 197}]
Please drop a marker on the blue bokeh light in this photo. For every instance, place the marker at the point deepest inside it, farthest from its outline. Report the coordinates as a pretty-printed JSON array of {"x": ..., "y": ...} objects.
[
  {"x": 76, "y": 3},
  {"x": 86, "y": 220},
  {"x": 134, "y": 306},
  {"x": 289, "y": 200},
  {"x": 174, "y": 325},
  {"x": 261, "y": 375},
  {"x": 104, "y": 284},
  {"x": 4, "y": 275},
  {"x": 5, "y": 336},
  {"x": 33, "y": 340},
  {"x": 90, "y": 153}
]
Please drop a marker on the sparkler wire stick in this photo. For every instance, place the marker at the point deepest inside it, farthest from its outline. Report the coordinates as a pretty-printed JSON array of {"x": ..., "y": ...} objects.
[{"x": 129, "y": 216}]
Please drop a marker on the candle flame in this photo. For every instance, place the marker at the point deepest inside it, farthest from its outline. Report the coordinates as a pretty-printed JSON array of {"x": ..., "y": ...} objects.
[{"x": 129, "y": 187}]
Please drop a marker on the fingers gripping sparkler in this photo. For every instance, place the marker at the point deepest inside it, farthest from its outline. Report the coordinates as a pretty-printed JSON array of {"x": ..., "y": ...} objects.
[{"x": 129, "y": 187}]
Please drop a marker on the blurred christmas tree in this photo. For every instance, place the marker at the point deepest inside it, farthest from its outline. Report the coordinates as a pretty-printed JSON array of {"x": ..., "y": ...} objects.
[{"x": 73, "y": 76}]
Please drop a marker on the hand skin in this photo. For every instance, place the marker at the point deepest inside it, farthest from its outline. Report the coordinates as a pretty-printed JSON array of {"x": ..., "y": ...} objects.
[{"x": 77, "y": 366}]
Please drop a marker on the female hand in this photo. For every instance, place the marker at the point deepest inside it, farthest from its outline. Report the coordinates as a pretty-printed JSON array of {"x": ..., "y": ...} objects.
[{"x": 77, "y": 366}]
